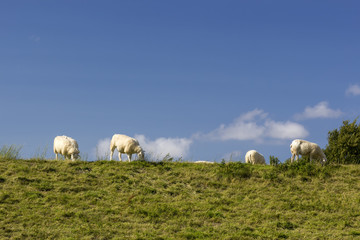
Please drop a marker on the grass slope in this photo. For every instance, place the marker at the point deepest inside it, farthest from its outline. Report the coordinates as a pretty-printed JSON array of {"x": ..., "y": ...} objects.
[{"x": 174, "y": 200}]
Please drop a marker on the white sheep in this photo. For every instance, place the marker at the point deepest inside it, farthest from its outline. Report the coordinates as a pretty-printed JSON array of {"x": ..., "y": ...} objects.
[
  {"x": 127, "y": 145},
  {"x": 66, "y": 146},
  {"x": 305, "y": 148},
  {"x": 254, "y": 157}
]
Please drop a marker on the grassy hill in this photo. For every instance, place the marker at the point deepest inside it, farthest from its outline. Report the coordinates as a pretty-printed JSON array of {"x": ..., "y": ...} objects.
[{"x": 47, "y": 199}]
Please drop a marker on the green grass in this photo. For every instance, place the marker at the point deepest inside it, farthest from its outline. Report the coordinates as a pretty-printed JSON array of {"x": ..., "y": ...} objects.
[{"x": 48, "y": 199}]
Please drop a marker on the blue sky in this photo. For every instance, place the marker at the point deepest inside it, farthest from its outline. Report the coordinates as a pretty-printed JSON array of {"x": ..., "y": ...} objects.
[{"x": 204, "y": 80}]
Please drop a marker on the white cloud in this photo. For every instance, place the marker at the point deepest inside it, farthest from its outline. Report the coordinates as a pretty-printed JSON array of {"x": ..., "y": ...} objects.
[
  {"x": 353, "y": 90},
  {"x": 243, "y": 128},
  {"x": 249, "y": 116},
  {"x": 255, "y": 125},
  {"x": 160, "y": 147},
  {"x": 285, "y": 130},
  {"x": 321, "y": 110}
]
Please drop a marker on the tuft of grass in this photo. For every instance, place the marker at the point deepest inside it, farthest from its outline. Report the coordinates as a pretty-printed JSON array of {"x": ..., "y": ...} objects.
[
  {"x": 10, "y": 152},
  {"x": 274, "y": 161}
]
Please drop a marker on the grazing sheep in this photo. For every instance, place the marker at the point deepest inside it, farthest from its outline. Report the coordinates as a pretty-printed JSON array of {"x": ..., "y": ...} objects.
[
  {"x": 254, "y": 157},
  {"x": 66, "y": 146},
  {"x": 127, "y": 145},
  {"x": 305, "y": 148}
]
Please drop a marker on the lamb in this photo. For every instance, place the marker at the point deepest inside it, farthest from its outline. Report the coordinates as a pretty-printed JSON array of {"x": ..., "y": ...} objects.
[
  {"x": 66, "y": 146},
  {"x": 127, "y": 145},
  {"x": 254, "y": 157},
  {"x": 305, "y": 148}
]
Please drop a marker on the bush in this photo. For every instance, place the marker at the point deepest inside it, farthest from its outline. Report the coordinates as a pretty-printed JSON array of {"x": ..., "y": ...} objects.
[{"x": 344, "y": 144}]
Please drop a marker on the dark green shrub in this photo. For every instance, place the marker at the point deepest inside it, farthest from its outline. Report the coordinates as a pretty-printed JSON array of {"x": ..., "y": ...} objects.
[{"x": 344, "y": 144}]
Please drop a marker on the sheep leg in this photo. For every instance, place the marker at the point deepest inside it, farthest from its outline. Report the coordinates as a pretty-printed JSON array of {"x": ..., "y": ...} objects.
[
  {"x": 56, "y": 156},
  {"x": 311, "y": 159},
  {"x": 112, "y": 149},
  {"x": 120, "y": 157},
  {"x": 294, "y": 157},
  {"x": 129, "y": 157}
]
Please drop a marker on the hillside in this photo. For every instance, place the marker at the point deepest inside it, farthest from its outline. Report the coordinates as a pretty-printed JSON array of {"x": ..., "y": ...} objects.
[{"x": 174, "y": 200}]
